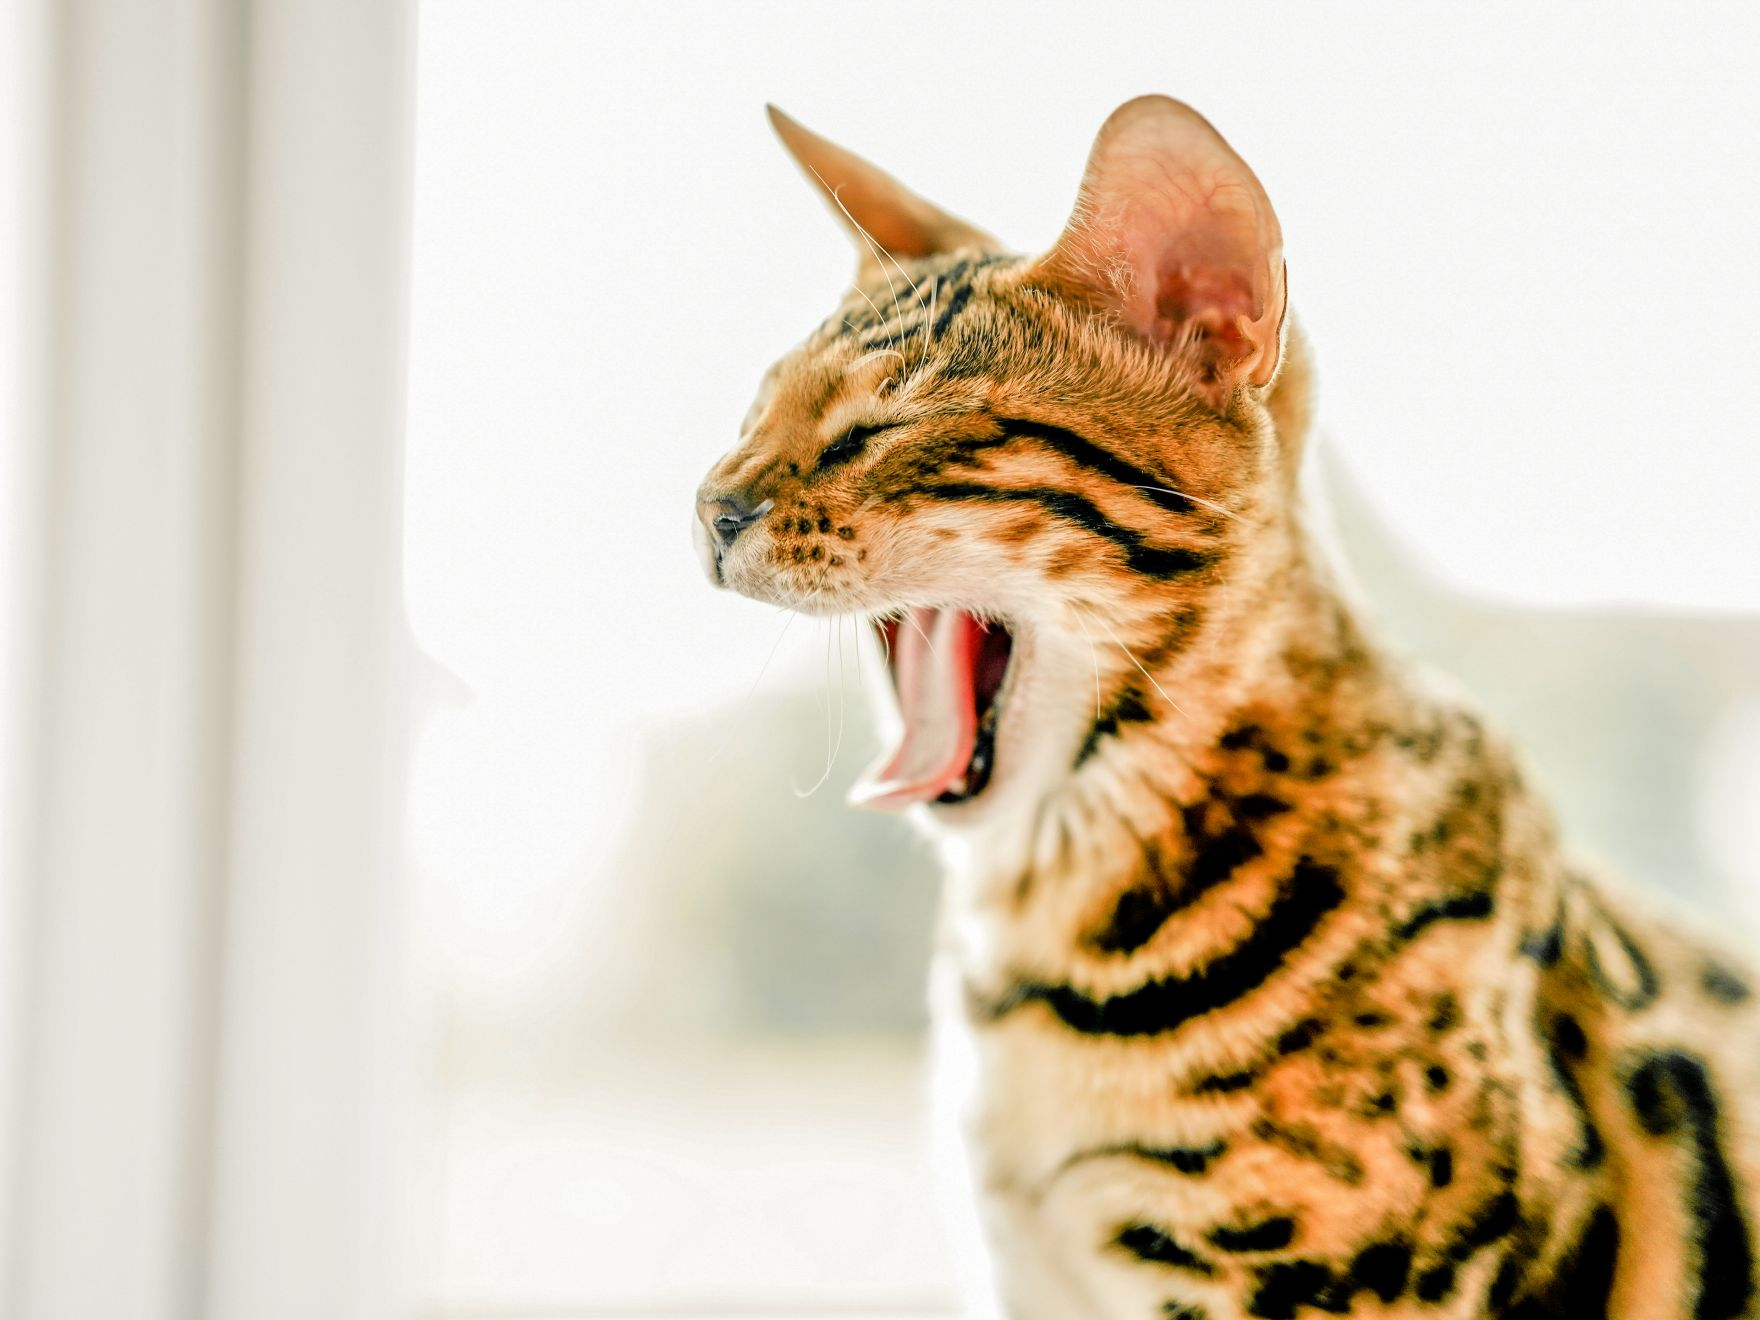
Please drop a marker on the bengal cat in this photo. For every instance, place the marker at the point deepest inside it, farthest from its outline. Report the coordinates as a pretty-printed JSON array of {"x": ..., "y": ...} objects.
[{"x": 1279, "y": 995}]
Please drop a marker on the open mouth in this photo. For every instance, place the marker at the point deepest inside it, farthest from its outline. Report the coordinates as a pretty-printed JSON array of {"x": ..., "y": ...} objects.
[{"x": 947, "y": 670}]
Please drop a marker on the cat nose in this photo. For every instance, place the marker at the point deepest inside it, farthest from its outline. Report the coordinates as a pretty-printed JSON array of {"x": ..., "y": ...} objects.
[{"x": 728, "y": 516}]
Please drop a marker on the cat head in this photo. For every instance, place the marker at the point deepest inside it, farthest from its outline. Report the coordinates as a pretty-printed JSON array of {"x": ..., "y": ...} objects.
[{"x": 1050, "y": 483}]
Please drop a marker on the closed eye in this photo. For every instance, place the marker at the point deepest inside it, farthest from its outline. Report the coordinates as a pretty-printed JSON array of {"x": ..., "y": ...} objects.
[{"x": 850, "y": 444}]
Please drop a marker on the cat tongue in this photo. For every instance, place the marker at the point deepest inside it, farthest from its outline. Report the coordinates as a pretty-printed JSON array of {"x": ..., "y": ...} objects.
[{"x": 934, "y": 653}]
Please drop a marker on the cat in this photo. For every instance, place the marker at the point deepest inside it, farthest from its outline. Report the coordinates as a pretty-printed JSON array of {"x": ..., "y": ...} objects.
[{"x": 1275, "y": 991}]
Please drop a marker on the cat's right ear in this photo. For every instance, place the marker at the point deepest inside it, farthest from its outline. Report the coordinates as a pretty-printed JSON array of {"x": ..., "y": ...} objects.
[
  {"x": 885, "y": 218},
  {"x": 1174, "y": 239}
]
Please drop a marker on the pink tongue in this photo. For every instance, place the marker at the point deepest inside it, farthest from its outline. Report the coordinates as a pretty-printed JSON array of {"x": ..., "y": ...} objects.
[{"x": 933, "y": 656}]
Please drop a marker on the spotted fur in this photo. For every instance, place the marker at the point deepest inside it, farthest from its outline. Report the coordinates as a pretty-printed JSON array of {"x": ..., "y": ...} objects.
[{"x": 1277, "y": 994}]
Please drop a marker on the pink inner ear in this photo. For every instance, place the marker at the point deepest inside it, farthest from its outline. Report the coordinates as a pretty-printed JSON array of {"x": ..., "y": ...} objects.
[
  {"x": 1196, "y": 266},
  {"x": 1176, "y": 234},
  {"x": 1203, "y": 302}
]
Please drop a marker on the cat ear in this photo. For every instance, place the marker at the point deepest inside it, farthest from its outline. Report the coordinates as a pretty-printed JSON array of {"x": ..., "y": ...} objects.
[
  {"x": 871, "y": 202},
  {"x": 1173, "y": 236}
]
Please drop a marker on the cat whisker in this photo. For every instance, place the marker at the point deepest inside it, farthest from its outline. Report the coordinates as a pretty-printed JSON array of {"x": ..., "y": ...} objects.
[
  {"x": 879, "y": 315},
  {"x": 881, "y": 256},
  {"x": 912, "y": 620},
  {"x": 831, "y": 748},
  {"x": 866, "y": 358},
  {"x": 1196, "y": 499},
  {"x": 1093, "y": 655},
  {"x": 1139, "y": 664}
]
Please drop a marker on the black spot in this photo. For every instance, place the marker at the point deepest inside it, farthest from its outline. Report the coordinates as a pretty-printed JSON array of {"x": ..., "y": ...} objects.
[
  {"x": 1441, "y": 1161},
  {"x": 1268, "y": 1235},
  {"x": 1287, "y": 1285},
  {"x": 1436, "y": 1283},
  {"x": 1436, "y": 1078},
  {"x": 1568, "y": 1032},
  {"x": 1225, "y": 1082},
  {"x": 1722, "y": 984},
  {"x": 1383, "y": 1269},
  {"x": 1148, "y": 1243},
  {"x": 1300, "y": 1036},
  {"x": 1259, "y": 806},
  {"x": 1370, "y": 1019},
  {"x": 1445, "y": 1014},
  {"x": 1307, "y": 896},
  {"x": 1181, "y": 1311},
  {"x": 1670, "y": 1092}
]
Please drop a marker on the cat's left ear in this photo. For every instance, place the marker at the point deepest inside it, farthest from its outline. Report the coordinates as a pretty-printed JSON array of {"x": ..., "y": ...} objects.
[
  {"x": 1174, "y": 237},
  {"x": 871, "y": 202}
]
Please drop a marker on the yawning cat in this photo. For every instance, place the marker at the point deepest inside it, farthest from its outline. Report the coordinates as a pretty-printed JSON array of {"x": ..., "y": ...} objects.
[{"x": 1278, "y": 993}]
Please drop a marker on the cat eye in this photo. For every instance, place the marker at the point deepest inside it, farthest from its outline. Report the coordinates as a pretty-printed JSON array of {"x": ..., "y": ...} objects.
[{"x": 849, "y": 444}]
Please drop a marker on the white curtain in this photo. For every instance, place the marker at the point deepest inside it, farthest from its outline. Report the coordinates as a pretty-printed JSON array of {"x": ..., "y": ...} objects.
[{"x": 202, "y": 1001}]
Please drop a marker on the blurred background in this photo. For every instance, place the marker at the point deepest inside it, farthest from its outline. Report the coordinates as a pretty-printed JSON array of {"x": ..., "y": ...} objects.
[{"x": 424, "y": 897}]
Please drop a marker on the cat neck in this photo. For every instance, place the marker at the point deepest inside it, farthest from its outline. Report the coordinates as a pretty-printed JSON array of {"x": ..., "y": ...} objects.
[{"x": 1294, "y": 733}]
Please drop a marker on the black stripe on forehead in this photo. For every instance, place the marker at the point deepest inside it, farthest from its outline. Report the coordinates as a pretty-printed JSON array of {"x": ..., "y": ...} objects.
[{"x": 896, "y": 308}]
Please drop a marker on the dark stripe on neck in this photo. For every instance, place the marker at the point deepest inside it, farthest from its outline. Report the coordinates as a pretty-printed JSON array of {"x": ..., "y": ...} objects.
[
  {"x": 1151, "y": 561},
  {"x": 1580, "y": 1286},
  {"x": 1566, "y": 1045},
  {"x": 1305, "y": 899},
  {"x": 1456, "y": 907},
  {"x": 1672, "y": 1091},
  {"x": 1634, "y": 992},
  {"x": 1193, "y": 1161},
  {"x": 1085, "y": 453},
  {"x": 1215, "y": 855},
  {"x": 1151, "y": 1244},
  {"x": 1272, "y": 1234}
]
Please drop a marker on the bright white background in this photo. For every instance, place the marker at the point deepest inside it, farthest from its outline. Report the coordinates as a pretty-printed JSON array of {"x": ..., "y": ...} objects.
[{"x": 1521, "y": 238}]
